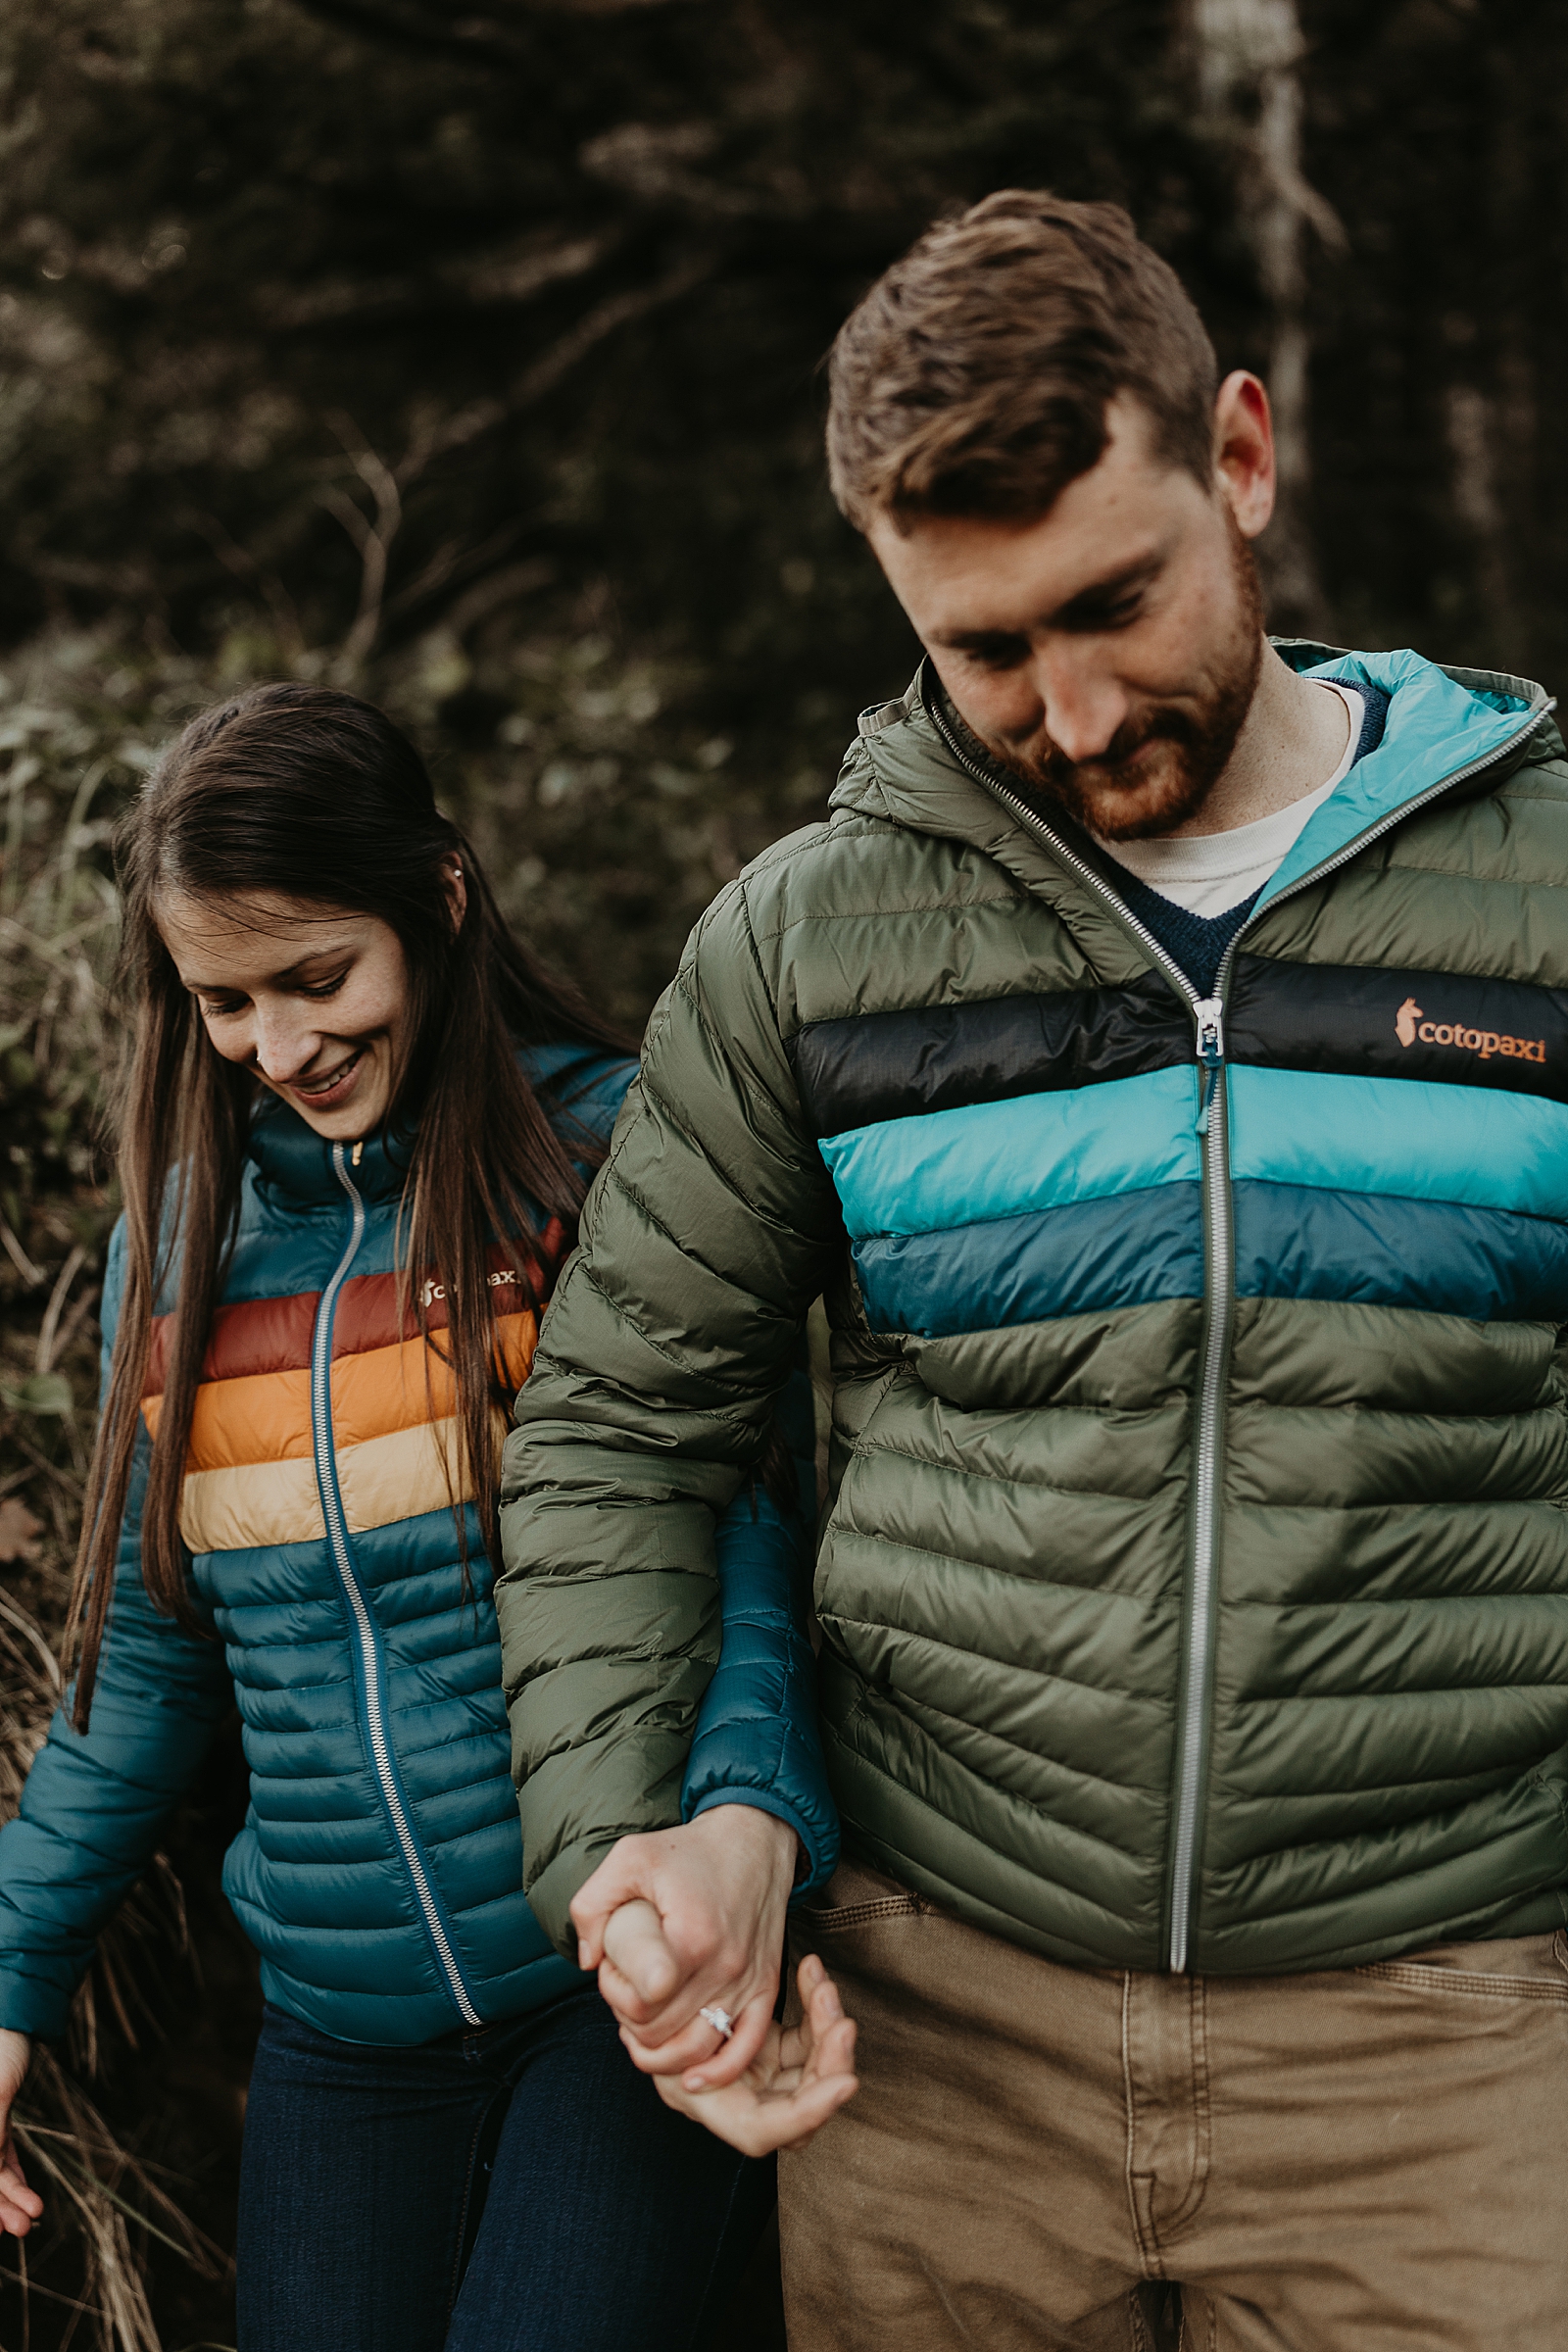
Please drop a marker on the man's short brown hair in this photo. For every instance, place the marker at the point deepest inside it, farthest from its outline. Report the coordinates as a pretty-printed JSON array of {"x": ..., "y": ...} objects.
[{"x": 974, "y": 378}]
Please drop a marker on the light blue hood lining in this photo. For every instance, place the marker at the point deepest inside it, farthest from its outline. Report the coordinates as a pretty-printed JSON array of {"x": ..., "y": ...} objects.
[{"x": 1435, "y": 728}]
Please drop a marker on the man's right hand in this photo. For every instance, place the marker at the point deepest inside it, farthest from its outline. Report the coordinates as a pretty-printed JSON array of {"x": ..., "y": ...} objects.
[{"x": 20, "y": 2206}]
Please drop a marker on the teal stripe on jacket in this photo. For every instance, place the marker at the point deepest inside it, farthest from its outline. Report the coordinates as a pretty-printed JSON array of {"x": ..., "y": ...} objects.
[
  {"x": 1001, "y": 1159},
  {"x": 1385, "y": 1249},
  {"x": 1480, "y": 1145}
]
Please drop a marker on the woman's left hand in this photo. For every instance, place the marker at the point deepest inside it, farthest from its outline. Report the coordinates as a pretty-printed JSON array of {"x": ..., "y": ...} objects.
[{"x": 800, "y": 2076}]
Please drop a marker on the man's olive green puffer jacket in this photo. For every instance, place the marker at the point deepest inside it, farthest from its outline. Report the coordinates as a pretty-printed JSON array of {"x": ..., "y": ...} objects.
[{"x": 1193, "y": 1587}]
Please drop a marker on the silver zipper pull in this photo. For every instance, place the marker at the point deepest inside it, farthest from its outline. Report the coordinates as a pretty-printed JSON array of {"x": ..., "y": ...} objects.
[{"x": 1209, "y": 1014}]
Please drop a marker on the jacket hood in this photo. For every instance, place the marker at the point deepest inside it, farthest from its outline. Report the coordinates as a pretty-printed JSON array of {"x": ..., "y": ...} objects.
[{"x": 1443, "y": 724}]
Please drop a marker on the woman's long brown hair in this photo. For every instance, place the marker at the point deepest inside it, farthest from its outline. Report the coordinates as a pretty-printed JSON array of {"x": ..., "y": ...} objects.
[{"x": 300, "y": 793}]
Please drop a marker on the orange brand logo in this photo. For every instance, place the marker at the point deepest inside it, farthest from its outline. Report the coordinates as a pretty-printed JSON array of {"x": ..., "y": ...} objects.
[{"x": 1411, "y": 1024}]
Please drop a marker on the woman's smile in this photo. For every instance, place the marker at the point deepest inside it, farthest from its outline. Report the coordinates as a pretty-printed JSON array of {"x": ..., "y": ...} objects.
[{"x": 332, "y": 1087}]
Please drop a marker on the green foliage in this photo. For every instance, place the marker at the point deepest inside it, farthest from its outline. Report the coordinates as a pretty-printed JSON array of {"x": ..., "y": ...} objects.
[{"x": 475, "y": 363}]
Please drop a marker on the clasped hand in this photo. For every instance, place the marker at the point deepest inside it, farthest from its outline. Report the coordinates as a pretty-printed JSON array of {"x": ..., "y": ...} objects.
[
  {"x": 20, "y": 2205},
  {"x": 689, "y": 1918}
]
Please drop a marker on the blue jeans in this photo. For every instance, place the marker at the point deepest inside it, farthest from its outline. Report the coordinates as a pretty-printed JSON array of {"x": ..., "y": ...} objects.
[{"x": 515, "y": 2189}]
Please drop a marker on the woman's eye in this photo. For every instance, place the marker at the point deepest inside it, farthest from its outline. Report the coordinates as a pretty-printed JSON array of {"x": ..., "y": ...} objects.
[
  {"x": 214, "y": 1010},
  {"x": 324, "y": 988}
]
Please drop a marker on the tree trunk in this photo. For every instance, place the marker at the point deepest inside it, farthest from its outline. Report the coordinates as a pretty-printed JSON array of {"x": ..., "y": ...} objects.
[{"x": 1246, "y": 55}]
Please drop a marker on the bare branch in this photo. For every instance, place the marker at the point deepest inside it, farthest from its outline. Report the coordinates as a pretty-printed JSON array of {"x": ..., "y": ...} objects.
[
  {"x": 342, "y": 509},
  {"x": 501, "y": 277},
  {"x": 371, "y": 536},
  {"x": 51, "y": 1313},
  {"x": 502, "y": 587},
  {"x": 30, "y": 1274},
  {"x": 451, "y": 563},
  {"x": 436, "y": 437},
  {"x": 547, "y": 371}
]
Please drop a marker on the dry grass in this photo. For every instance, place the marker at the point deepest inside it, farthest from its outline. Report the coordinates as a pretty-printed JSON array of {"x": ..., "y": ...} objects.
[
  {"x": 99, "y": 2195},
  {"x": 68, "y": 752}
]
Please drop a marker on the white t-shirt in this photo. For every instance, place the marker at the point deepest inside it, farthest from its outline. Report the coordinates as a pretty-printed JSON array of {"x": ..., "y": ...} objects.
[{"x": 1209, "y": 872}]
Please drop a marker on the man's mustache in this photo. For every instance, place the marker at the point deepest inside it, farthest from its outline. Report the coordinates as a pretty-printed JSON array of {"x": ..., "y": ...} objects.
[{"x": 1129, "y": 738}]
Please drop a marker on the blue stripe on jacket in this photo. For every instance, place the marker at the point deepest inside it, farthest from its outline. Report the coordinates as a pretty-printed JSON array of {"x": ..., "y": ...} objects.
[
  {"x": 1122, "y": 1252},
  {"x": 1302, "y": 1241}
]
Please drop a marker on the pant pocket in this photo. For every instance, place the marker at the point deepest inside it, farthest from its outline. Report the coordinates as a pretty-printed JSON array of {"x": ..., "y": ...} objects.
[
  {"x": 1516, "y": 1968},
  {"x": 854, "y": 1897}
]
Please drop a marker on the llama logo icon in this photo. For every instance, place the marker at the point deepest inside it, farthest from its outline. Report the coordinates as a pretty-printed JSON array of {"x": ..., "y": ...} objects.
[{"x": 1405, "y": 1021}]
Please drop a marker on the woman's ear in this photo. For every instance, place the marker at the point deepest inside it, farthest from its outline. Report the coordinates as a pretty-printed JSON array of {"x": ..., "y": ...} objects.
[{"x": 456, "y": 888}]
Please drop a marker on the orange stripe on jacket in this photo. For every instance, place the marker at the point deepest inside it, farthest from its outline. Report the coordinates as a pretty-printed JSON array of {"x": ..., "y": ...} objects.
[
  {"x": 265, "y": 1419},
  {"x": 405, "y": 1387},
  {"x": 268, "y": 1418}
]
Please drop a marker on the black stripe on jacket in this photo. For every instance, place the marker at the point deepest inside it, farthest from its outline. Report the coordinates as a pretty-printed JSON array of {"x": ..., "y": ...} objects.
[
  {"x": 869, "y": 1068},
  {"x": 1358, "y": 1020}
]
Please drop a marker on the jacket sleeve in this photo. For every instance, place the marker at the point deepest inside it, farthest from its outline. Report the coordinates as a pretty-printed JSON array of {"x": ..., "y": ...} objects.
[
  {"x": 94, "y": 1804},
  {"x": 757, "y": 1741},
  {"x": 706, "y": 1237}
]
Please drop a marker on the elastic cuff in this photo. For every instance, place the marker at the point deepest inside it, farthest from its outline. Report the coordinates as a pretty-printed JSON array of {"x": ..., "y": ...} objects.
[{"x": 38, "y": 2010}]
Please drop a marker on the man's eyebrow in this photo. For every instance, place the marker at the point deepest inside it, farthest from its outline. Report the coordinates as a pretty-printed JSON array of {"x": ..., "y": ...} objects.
[
  {"x": 1112, "y": 589},
  {"x": 1085, "y": 601}
]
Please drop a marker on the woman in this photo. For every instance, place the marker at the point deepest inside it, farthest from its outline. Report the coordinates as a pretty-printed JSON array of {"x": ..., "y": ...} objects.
[{"x": 355, "y": 1135}]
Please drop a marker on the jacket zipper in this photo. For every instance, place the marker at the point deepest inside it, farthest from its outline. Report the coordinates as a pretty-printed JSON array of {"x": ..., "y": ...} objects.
[
  {"x": 1208, "y": 1019},
  {"x": 363, "y": 1625}
]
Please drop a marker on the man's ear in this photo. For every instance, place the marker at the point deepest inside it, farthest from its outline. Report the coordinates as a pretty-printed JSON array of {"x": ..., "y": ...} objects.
[{"x": 1244, "y": 450}]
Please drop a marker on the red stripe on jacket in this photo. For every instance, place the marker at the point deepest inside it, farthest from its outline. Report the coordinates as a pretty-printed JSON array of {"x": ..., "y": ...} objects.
[{"x": 273, "y": 1334}]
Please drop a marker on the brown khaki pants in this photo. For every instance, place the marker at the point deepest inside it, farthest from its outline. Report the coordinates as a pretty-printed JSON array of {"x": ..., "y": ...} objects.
[{"x": 1364, "y": 2160}]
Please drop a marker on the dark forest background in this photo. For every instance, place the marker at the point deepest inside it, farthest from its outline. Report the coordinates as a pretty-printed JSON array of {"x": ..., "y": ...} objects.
[{"x": 473, "y": 359}]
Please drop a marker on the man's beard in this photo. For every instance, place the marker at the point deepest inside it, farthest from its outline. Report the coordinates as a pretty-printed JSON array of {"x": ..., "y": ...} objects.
[{"x": 1194, "y": 742}]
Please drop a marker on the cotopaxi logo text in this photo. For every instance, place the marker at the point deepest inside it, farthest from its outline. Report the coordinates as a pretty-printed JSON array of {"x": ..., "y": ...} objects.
[
  {"x": 506, "y": 1280},
  {"x": 1411, "y": 1024}
]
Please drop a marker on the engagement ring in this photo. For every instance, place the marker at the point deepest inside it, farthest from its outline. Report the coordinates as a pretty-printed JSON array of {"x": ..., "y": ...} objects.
[{"x": 720, "y": 2019}]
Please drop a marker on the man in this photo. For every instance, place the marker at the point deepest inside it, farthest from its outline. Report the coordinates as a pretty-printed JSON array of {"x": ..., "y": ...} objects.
[{"x": 1159, "y": 1063}]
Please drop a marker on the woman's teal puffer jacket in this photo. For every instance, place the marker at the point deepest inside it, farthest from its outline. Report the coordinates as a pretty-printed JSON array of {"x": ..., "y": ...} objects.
[{"x": 379, "y": 1872}]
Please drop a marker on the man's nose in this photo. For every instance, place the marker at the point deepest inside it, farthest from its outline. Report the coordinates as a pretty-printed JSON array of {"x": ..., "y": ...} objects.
[{"x": 1082, "y": 701}]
